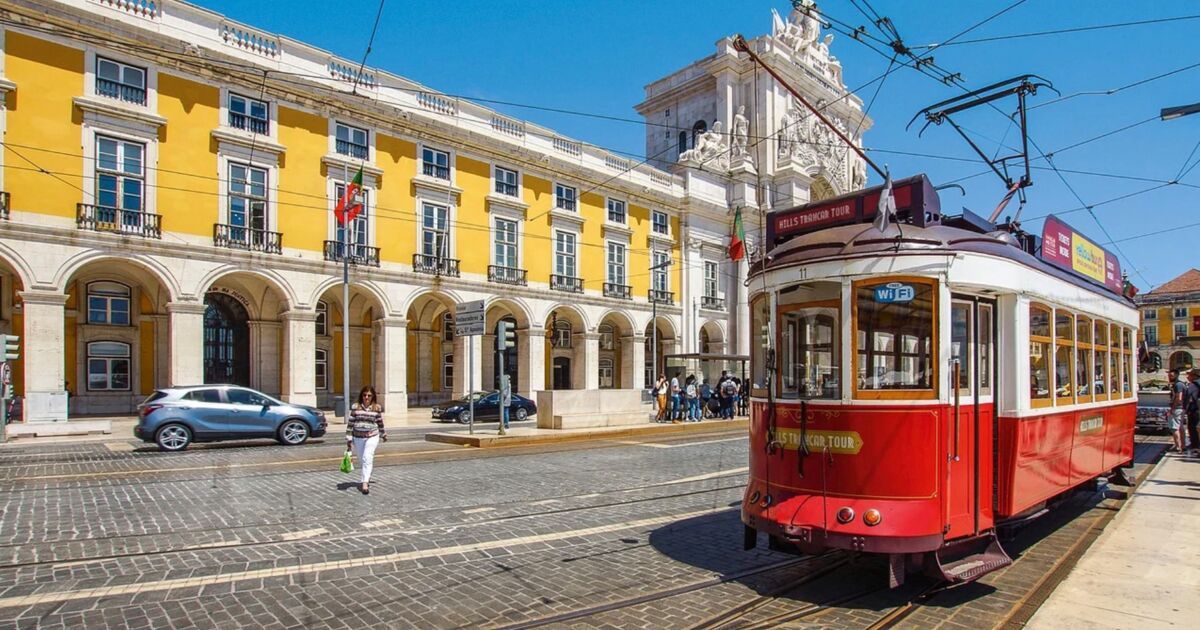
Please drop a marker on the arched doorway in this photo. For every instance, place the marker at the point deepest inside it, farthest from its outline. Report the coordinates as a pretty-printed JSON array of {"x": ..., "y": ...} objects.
[
  {"x": 226, "y": 340},
  {"x": 1181, "y": 360}
]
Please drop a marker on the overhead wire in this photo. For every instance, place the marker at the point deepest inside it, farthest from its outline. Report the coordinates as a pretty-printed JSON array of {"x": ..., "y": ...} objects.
[
  {"x": 980, "y": 23},
  {"x": 1061, "y": 31}
]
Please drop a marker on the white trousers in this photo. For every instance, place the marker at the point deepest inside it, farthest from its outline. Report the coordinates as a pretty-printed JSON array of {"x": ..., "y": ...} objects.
[{"x": 364, "y": 452}]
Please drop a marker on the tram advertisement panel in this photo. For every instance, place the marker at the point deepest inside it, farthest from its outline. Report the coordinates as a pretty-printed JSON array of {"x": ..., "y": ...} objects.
[{"x": 1064, "y": 247}]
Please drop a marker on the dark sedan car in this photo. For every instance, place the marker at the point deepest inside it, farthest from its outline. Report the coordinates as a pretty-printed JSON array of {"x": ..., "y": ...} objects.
[{"x": 487, "y": 407}]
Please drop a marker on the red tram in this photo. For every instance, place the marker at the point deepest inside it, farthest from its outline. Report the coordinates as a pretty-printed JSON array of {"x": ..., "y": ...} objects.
[{"x": 915, "y": 387}]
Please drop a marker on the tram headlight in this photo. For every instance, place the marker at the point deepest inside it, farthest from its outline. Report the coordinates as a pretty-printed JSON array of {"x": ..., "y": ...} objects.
[
  {"x": 872, "y": 517},
  {"x": 845, "y": 515}
]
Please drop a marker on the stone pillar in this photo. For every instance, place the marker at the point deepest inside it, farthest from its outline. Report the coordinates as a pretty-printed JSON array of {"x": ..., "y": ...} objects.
[
  {"x": 462, "y": 372},
  {"x": 585, "y": 364},
  {"x": 185, "y": 345},
  {"x": 425, "y": 363},
  {"x": 531, "y": 346},
  {"x": 741, "y": 318},
  {"x": 264, "y": 356},
  {"x": 42, "y": 355},
  {"x": 693, "y": 284},
  {"x": 299, "y": 354},
  {"x": 391, "y": 365},
  {"x": 161, "y": 341},
  {"x": 633, "y": 361}
]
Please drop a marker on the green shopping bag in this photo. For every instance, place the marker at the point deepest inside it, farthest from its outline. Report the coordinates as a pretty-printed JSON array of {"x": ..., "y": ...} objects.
[{"x": 347, "y": 464}]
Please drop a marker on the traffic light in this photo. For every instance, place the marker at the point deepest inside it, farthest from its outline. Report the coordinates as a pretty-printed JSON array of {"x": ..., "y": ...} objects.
[
  {"x": 506, "y": 335},
  {"x": 1156, "y": 361},
  {"x": 12, "y": 347}
]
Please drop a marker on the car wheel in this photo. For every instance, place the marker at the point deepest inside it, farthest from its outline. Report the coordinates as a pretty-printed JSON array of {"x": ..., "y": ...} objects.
[
  {"x": 464, "y": 417},
  {"x": 173, "y": 437},
  {"x": 521, "y": 414},
  {"x": 293, "y": 433}
]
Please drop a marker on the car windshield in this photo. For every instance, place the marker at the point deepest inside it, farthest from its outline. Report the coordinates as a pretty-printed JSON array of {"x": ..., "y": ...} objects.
[{"x": 476, "y": 396}]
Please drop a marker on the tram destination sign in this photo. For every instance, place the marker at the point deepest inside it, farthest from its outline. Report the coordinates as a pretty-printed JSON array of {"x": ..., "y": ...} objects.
[{"x": 1064, "y": 247}]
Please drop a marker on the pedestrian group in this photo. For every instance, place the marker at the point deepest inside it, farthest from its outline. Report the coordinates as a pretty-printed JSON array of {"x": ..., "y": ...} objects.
[
  {"x": 1183, "y": 419},
  {"x": 695, "y": 400}
]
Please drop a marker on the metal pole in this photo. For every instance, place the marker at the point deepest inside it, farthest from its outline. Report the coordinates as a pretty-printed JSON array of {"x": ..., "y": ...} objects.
[
  {"x": 500, "y": 392},
  {"x": 471, "y": 386},
  {"x": 346, "y": 303}
]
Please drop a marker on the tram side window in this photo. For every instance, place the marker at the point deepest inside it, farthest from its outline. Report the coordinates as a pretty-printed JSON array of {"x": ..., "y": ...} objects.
[
  {"x": 1127, "y": 363},
  {"x": 1064, "y": 356},
  {"x": 1100, "y": 375},
  {"x": 809, "y": 352},
  {"x": 985, "y": 350},
  {"x": 1039, "y": 356},
  {"x": 758, "y": 343},
  {"x": 1084, "y": 382},
  {"x": 894, "y": 332},
  {"x": 1114, "y": 358}
]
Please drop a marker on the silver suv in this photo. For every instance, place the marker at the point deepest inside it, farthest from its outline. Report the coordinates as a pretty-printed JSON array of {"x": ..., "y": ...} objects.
[{"x": 174, "y": 417}]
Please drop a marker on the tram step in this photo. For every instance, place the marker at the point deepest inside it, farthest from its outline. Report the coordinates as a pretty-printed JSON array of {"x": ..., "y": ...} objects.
[{"x": 974, "y": 566}]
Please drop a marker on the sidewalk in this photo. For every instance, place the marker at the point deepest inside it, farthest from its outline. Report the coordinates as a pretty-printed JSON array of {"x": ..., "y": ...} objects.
[{"x": 1144, "y": 570}]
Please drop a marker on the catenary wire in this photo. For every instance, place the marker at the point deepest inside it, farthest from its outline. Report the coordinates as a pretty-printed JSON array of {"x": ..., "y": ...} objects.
[
  {"x": 1077, "y": 29},
  {"x": 980, "y": 23}
]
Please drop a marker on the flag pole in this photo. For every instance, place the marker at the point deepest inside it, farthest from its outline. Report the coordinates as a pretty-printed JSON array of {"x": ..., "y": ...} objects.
[{"x": 346, "y": 301}]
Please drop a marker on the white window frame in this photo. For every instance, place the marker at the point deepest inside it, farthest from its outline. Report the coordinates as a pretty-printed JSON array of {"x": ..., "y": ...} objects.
[
  {"x": 606, "y": 376},
  {"x": 610, "y": 264},
  {"x": 365, "y": 218},
  {"x": 321, "y": 370},
  {"x": 657, "y": 257},
  {"x": 609, "y": 203},
  {"x": 121, "y": 175},
  {"x": 655, "y": 215},
  {"x": 98, "y": 126},
  {"x": 268, "y": 205},
  {"x": 608, "y": 337},
  {"x": 561, "y": 339},
  {"x": 95, "y": 292},
  {"x": 1179, "y": 312},
  {"x": 1150, "y": 313},
  {"x": 368, "y": 144},
  {"x": 89, "y": 77},
  {"x": 122, "y": 66},
  {"x": 559, "y": 186},
  {"x": 712, "y": 282},
  {"x": 447, "y": 327},
  {"x": 497, "y": 183},
  {"x": 226, "y": 114},
  {"x": 515, "y": 244},
  {"x": 448, "y": 370},
  {"x": 321, "y": 323},
  {"x": 108, "y": 361},
  {"x": 1177, "y": 336},
  {"x": 572, "y": 255},
  {"x": 449, "y": 163},
  {"x": 1150, "y": 333},
  {"x": 238, "y": 155},
  {"x": 447, "y": 233}
]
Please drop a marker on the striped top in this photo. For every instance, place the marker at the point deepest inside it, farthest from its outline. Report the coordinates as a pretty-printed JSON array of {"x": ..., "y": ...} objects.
[{"x": 364, "y": 423}]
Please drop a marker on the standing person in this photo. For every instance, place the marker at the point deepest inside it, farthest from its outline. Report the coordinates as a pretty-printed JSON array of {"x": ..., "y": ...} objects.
[
  {"x": 675, "y": 400},
  {"x": 693, "y": 399},
  {"x": 1191, "y": 406},
  {"x": 661, "y": 387},
  {"x": 728, "y": 395},
  {"x": 1176, "y": 415},
  {"x": 706, "y": 394},
  {"x": 364, "y": 431}
]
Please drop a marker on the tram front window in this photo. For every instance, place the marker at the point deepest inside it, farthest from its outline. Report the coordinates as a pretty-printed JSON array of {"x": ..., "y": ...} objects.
[
  {"x": 894, "y": 329},
  {"x": 809, "y": 344}
]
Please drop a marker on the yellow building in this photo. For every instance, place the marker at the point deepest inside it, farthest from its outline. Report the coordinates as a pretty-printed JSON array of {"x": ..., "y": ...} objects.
[
  {"x": 169, "y": 177},
  {"x": 1170, "y": 327}
]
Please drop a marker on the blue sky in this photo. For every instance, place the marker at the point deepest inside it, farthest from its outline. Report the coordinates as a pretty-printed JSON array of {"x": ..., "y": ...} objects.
[{"x": 597, "y": 58}]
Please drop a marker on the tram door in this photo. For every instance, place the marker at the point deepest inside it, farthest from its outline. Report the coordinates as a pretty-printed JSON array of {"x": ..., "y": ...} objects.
[{"x": 970, "y": 456}]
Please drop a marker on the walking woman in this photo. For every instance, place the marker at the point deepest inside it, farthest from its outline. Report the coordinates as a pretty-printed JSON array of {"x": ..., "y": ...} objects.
[
  {"x": 364, "y": 430},
  {"x": 661, "y": 387}
]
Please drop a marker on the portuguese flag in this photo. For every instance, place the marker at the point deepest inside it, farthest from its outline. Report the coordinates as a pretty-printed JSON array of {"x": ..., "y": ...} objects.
[
  {"x": 349, "y": 206},
  {"x": 737, "y": 241}
]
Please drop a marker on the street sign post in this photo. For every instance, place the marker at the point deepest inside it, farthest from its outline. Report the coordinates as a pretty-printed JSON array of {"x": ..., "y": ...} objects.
[{"x": 469, "y": 320}]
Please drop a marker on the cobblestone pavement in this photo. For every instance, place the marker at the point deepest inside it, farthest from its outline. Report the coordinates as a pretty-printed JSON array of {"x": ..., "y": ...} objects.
[{"x": 114, "y": 534}]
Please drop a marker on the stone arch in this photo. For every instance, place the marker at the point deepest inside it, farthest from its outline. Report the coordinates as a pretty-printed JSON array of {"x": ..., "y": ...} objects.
[
  {"x": 367, "y": 306},
  {"x": 162, "y": 275},
  {"x": 17, "y": 265},
  {"x": 713, "y": 333},
  {"x": 820, "y": 188},
  {"x": 514, "y": 307},
  {"x": 1181, "y": 360},
  {"x": 617, "y": 346},
  {"x": 367, "y": 287},
  {"x": 262, "y": 342},
  {"x": 432, "y": 363},
  {"x": 266, "y": 305}
]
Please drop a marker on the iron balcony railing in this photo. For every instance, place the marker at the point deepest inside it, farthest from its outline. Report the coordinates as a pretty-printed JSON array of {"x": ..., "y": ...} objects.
[
  {"x": 115, "y": 220},
  {"x": 359, "y": 254},
  {"x": 506, "y": 275},
  {"x": 353, "y": 149},
  {"x": 433, "y": 265},
  {"x": 3, "y": 205},
  {"x": 619, "y": 291},
  {"x": 662, "y": 297},
  {"x": 249, "y": 239},
  {"x": 121, "y": 91},
  {"x": 435, "y": 170},
  {"x": 254, "y": 125},
  {"x": 569, "y": 284},
  {"x": 712, "y": 302}
]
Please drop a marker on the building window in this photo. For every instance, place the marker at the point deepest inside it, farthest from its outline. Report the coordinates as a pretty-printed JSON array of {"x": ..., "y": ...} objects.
[
  {"x": 108, "y": 366},
  {"x": 562, "y": 334},
  {"x": 1150, "y": 313},
  {"x": 322, "y": 318},
  {"x": 120, "y": 174},
  {"x": 506, "y": 182},
  {"x": 433, "y": 230},
  {"x": 506, "y": 243},
  {"x": 120, "y": 81},
  {"x": 247, "y": 203},
  {"x": 108, "y": 303},
  {"x": 895, "y": 339},
  {"x": 564, "y": 254},
  {"x": 564, "y": 197},
  {"x": 435, "y": 163},
  {"x": 448, "y": 371},
  {"x": 1180, "y": 360},
  {"x": 660, "y": 222},
  {"x": 697, "y": 129},
  {"x": 358, "y": 231},
  {"x": 1151, "y": 334},
  {"x": 447, "y": 327},
  {"x": 659, "y": 281},
  {"x": 682, "y": 142},
  {"x": 351, "y": 141},
  {"x": 616, "y": 263},
  {"x": 1180, "y": 312},
  {"x": 607, "y": 338},
  {"x": 1181, "y": 331},
  {"x": 606, "y": 373},
  {"x": 711, "y": 278},
  {"x": 616, "y": 211},
  {"x": 249, "y": 114},
  {"x": 322, "y": 370}
]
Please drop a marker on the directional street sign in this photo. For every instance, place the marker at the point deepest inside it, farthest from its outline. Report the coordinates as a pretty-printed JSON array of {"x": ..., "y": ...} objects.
[{"x": 469, "y": 319}]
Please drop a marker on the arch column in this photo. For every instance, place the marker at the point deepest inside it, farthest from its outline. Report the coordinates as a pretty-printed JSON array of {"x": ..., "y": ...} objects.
[
  {"x": 742, "y": 318},
  {"x": 425, "y": 361},
  {"x": 585, "y": 364},
  {"x": 264, "y": 355},
  {"x": 531, "y": 344},
  {"x": 391, "y": 364},
  {"x": 185, "y": 343},
  {"x": 633, "y": 361},
  {"x": 42, "y": 355},
  {"x": 299, "y": 354}
]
